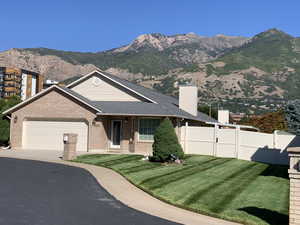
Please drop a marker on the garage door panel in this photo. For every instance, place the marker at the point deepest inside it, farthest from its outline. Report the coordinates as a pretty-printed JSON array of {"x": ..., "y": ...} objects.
[{"x": 48, "y": 135}]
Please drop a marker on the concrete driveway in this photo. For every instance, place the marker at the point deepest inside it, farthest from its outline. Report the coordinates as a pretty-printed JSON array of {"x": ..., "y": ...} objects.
[{"x": 42, "y": 193}]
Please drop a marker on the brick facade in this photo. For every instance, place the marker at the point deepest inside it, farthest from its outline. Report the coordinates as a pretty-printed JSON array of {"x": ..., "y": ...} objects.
[
  {"x": 294, "y": 174},
  {"x": 56, "y": 105}
]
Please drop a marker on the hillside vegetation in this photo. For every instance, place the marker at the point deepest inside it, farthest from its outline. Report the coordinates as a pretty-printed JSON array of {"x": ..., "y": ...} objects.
[
  {"x": 257, "y": 71},
  {"x": 273, "y": 52}
]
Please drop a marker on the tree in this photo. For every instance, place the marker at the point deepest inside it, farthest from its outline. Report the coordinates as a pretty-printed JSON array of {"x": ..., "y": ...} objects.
[
  {"x": 166, "y": 142},
  {"x": 268, "y": 122},
  {"x": 292, "y": 114},
  {"x": 4, "y": 122},
  {"x": 207, "y": 110}
]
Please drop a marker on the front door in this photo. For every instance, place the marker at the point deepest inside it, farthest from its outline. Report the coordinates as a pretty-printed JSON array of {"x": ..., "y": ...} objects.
[{"x": 116, "y": 126}]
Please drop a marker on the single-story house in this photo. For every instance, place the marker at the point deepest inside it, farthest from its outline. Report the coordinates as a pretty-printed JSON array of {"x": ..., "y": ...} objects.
[{"x": 107, "y": 113}]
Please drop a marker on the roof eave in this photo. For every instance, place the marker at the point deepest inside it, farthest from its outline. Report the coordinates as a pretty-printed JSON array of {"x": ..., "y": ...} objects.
[
  {"x": 10, "y": 110},
  {"x": 150, "y": 115}
]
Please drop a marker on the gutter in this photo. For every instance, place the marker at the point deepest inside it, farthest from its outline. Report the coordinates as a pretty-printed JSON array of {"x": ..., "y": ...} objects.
[{"x": 150, "y": 115}]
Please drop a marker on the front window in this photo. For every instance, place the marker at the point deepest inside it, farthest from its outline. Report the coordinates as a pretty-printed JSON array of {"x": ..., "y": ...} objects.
[{"x": 147, "y": 129}]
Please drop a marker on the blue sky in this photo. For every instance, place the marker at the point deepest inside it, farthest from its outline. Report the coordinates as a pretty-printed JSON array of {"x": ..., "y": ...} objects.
[{"x": 93, "y": 25}]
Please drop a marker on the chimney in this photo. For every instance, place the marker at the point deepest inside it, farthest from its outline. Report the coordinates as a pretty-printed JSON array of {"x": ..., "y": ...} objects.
[
  {"x": 188, "y": 99},
  {"x": 223, "y": 116}
]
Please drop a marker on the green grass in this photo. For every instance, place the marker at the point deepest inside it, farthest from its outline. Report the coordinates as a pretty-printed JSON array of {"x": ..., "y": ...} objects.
[{"x": 236, "y": 190}]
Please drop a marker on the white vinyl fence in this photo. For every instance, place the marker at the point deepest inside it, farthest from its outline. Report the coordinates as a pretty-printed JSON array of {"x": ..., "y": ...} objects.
[{"x": 236, "y": 143}]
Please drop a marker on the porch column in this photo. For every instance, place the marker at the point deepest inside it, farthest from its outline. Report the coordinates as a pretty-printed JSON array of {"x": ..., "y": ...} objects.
[
  {"x": 294, "y": 175},
  {"x": 132, "y": 134},
  {"x": 135, "y": 132},
  {"x": 178, "y": 133}
]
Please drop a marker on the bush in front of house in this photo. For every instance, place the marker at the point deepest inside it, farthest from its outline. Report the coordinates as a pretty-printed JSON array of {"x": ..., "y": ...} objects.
[{"x": 166, "y": 143}]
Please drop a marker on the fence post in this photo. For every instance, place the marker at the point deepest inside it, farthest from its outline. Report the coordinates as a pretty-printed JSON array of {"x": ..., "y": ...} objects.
[
  {"x": 294, "y": 175},
  {"x": 237, "y": 141},
  {"x": 185, "y": 136},
  {"x": 215, "y": 142},
  {"x": 275, "y": 139}
]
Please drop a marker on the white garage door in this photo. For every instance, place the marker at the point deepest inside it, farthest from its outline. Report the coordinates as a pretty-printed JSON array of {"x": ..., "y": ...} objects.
[{"x": 48, "y": 135}]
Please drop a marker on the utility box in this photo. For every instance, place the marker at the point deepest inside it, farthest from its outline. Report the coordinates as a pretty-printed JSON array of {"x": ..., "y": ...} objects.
[{"x": 70, "y": 142}]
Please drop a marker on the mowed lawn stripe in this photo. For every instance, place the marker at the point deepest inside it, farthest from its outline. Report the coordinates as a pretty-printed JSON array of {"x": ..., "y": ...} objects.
[
  {"x": 161, "y": 171},
  {"x": 178, "y": 170},
  {"x": 97, "y": 156},
  {"x": 117, "y": 161},
  {"x": 236, "y": 174},
  {"x": 100, "y": 158},
  {"x": 184, "y": 174},
  {"x": 145, "y": 165},
  {"x": 140, "y": 168},
  {"x": 180, "y": 191},
  {"x": 236, "y": 186}
]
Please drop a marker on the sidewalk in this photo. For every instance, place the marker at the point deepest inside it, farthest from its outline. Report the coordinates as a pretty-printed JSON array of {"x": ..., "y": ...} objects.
[{"x": 124, "y": 191}]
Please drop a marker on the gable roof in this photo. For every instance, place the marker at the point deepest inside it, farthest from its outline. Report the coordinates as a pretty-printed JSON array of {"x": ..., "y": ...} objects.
[
  {"x": 157, "y": 104},
  {"x": 70, "y": 93},
  {"x": 165, "y": 105},
  {"x": 118, "y": 82}
]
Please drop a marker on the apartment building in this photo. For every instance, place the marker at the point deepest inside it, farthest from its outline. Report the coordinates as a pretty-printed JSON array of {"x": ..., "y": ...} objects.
[{"x": 20, "y": 82}]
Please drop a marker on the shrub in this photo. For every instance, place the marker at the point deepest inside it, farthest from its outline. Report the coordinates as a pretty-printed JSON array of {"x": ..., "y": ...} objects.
[
  {"x": 165, "y": 143},
  {"x": 4, "y": 122},
  {"x": 292, "y": 115},
  {"x": 4, "y": 131}
]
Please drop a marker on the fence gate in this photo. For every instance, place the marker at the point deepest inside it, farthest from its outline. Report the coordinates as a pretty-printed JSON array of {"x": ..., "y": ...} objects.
[{"x": 236, "y": 143}]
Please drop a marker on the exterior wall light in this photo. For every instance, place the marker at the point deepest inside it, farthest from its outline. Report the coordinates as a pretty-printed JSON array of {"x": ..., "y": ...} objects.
[{"x": 126, "y": 119}]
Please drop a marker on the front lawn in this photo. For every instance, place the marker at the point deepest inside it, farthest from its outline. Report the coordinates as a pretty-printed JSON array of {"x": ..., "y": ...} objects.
[{"x": 237, "y": 190}]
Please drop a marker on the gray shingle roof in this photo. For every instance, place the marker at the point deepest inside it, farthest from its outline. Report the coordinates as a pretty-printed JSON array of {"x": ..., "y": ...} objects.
[
  {"x": 154, "y": 95},
  {"x": 149, "y": 109},
  {"x": 167, "y": 105}
]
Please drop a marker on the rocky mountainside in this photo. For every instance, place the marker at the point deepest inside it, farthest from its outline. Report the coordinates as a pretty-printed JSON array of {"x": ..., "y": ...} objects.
[
  {"x": 267, "y": 65},
  {"x": 225, "y": 68},
  {"x": 149, "y": 54},
  {"x": 52, "y": 66}
]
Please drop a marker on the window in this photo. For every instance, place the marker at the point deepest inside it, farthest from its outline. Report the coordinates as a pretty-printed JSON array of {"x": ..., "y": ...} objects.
[{"x": 147, "y": 128}]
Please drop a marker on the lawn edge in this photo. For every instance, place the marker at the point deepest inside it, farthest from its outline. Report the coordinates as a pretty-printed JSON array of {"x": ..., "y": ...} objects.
[{"x": 171, "y": 203}]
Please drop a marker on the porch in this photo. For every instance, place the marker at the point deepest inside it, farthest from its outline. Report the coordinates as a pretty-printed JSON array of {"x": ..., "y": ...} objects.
[{"x": 128, "y": 134}]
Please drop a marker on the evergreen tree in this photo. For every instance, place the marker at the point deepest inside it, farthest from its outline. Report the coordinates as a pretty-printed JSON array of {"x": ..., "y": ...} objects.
[
  {"x": 292, "y": 114},
  {"x": 166, "y": 142}
]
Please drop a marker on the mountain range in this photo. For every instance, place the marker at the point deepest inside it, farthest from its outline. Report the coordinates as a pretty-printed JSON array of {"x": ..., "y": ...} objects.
[{"x": 266, "y": 65}]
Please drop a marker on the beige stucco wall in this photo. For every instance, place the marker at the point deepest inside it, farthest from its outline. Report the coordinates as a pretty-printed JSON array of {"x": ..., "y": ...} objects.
[
  {"x": 57, "y": 106},
  {"x": 103, "y": 91}
]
